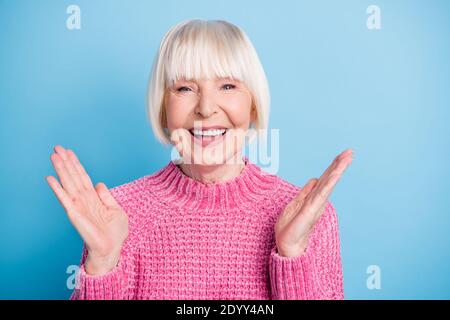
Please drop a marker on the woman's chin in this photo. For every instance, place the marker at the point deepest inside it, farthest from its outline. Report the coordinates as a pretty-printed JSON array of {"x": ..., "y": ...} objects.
[{"x": 210, "y": 156}]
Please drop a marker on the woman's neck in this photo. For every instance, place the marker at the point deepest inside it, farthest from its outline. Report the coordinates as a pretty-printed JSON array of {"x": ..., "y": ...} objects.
[{"x": 213, "y": 173}]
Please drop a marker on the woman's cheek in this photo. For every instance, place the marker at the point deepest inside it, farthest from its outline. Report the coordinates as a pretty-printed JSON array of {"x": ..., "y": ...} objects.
[
  {"x": 240, "y": 117},
  {"x": 177, "y": 113},
  {"x": 239, "y": 108}
]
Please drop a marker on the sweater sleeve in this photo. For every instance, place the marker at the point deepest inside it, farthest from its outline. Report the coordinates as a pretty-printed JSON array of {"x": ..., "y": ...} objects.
[
  {"x": 317, "y": 273},
  {"x": 118, "y": 284}
]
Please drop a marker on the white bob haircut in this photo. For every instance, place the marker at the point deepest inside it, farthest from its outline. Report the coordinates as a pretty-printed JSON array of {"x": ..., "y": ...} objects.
[{"x": 196, "y": 49}]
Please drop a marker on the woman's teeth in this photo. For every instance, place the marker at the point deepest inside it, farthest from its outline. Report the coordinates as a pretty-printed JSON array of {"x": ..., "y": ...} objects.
[{"x": 208, "y": 133}]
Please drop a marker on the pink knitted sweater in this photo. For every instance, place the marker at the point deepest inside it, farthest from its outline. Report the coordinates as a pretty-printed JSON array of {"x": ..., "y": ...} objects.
[{"x": 189, "y": 240}]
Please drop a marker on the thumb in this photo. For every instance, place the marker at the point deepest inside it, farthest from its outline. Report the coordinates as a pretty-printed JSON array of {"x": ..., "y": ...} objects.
[
  {"x": 301, "y": 195},
  {"x": 105, "y": 196},
  {"x": 307, "y": 189},
  {"x": 177, "y": 139},
  {"x": 309, "y": 185}
]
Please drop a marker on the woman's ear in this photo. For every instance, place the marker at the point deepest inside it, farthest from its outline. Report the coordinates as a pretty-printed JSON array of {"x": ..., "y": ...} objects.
[
  {"x": 163, "y": 114},
  {"x": 253, "y": 114}
]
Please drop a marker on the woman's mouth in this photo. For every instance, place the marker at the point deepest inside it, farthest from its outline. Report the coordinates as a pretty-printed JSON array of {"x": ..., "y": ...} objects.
[{"x": 208, "y": 137}]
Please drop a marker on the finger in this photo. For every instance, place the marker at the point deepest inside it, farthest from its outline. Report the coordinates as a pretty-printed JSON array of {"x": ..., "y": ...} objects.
[
  {"x": 310, "y": 185},
  {"x": 85, "y": 179},
  {"x": 304, "y": 212},
  {"x": 176, "y": 140},
  {"x": 174, "y": 137},
  {"x": 335, "y": 175},
  {"x": 344, "y": 164},
  {"x": 185, "y": 145},
  {"x": 320, "y": 194},
  {"x": 63, "y": 174},
  {"x": 307, "y": 188},
  {"x": 339, "y": 158},
  {"x": 304, "y": 192},
  {"x": 68, "y": 164},
  {"x": 316, "y": 199},
  {"x": 61, "y": 194},
  {"x": 105, "y": 195},
  {"x": 336, "y": 162}
]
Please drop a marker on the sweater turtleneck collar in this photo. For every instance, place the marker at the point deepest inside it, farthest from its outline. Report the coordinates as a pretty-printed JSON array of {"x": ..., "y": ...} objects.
[{"x": 174, "y": 187}]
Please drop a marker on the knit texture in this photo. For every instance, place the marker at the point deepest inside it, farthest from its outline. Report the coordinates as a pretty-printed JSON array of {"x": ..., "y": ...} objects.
[{"x": 190, "y": 240}]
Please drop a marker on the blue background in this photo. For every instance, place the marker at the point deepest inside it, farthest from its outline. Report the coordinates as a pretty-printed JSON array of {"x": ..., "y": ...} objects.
[{"x": 334, "y": 84}]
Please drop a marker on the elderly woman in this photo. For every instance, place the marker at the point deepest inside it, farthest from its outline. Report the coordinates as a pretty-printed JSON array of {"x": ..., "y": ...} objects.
[{"x": 214, "y": 225}]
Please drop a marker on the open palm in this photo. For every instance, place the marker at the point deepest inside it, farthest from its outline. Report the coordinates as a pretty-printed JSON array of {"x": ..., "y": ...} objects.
[
  {"x": 93, "y": 211},
  {"x": 300, "y": 215}
]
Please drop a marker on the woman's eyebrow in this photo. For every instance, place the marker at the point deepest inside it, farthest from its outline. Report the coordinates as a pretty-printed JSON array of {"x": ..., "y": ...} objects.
[
  {"x": 227, "y": 79},
  {"x": 185, "y": 81}
]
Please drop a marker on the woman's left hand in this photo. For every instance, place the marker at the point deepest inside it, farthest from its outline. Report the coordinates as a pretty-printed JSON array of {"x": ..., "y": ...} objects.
[{"x": 300, "y": 215}]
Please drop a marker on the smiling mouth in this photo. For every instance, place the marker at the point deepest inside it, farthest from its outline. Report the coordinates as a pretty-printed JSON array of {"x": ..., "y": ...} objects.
[
  {"x": 209, "y": 133},
  {"x": 205, "y": 137}
]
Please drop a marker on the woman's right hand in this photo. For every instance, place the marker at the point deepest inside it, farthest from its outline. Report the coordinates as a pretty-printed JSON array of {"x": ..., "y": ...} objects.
[{"x": 93, "y": 211}]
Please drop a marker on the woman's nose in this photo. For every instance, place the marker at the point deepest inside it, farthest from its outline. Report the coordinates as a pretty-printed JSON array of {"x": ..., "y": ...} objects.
[{"x": 206, "y": 106}]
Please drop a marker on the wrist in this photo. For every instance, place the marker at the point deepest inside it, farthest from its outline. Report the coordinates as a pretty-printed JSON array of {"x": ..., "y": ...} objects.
[
  {"x": 293, "y": 251},
  {"x": 100, "y": 265}
]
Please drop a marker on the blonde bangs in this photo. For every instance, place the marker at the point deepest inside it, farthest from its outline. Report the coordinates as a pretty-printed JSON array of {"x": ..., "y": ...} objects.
[{"x": 203, "y": 50}]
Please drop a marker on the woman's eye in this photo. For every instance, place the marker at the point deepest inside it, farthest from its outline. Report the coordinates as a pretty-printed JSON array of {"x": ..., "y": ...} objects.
[
  {"x": 180, "y": 89},
  {"x": 229, "y": 86}
]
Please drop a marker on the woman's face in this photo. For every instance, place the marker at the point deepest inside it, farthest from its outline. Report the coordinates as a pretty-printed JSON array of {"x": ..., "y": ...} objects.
[{"x": 208, "y": 119}]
